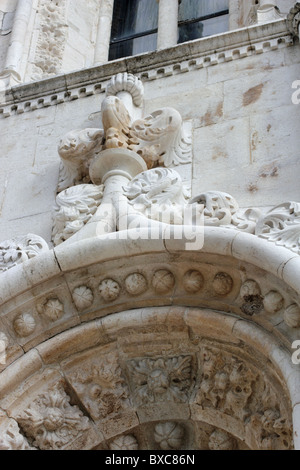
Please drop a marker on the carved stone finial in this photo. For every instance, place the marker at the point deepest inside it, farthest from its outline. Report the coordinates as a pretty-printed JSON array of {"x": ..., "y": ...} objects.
[
  {"x": 126, "y": 82},
  {"x": 293, "y": 20}
]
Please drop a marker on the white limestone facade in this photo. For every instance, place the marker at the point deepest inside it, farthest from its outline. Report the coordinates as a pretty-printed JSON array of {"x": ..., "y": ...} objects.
[{"x": 149, "y": 231}]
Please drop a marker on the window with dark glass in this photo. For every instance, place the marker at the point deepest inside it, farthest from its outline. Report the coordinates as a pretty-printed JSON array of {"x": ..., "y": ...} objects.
[
  {"x": 134, "y": 28},
  {"x": 200, "y": 18}
]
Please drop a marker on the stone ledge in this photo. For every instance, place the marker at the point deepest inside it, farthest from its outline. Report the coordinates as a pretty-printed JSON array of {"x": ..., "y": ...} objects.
[{"x": 182, "y": 58}]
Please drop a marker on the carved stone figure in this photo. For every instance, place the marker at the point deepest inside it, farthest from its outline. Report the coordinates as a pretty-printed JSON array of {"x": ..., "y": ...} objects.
[{"x": 161, "y": 379}]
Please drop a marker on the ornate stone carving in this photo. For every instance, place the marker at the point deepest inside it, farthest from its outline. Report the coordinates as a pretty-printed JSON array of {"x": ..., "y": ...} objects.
[
  {"x": 159, "y": 195},
  {"x": 127, "y": 442},
  {"x": 221, "y": 440},
  {"x": 161, "y": 139},
  {"x": 169, "y": 435},
  {"x": 126, "y": 82},
  {"x": 161, "y": 379},
  {"x": 218, "y": 207},
  {"x": 53, "y": 309},
  {"x": 292, "y": 316},
  {"x": 222, "y": 284},
  {"x": 101, "y": 387},
  {"x": 252, "y": 298},
  {"x": 293, "y": 20},
  {"x": 234, "y": 387},
  {"x": 273, "y": 302},
  {"x": 51, "y": 422},
  {"x": 83, "y": 297},
  {"x": 163, "y": 281},
  {"x": 109, "y": 290},
  {"x": 74, "y": 208},
  {"x": 281, "y": 225},
  {"x": 12, "y": 439},
  {"x": 18, "y": 250},
  {"x": 135, "y": 284},
  {"x": 51, "y": 40},
  {"x": 193, "y": 281},
  {"x": 24, "y": 325},
  {"x": 76, "y": 149}
]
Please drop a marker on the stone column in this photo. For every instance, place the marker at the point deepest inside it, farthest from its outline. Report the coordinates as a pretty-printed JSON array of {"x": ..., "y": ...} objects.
[
  {"x": 103, "y": 33},
  {"x": 11, "y": 72},
  {"x": 167, "y": 23}
]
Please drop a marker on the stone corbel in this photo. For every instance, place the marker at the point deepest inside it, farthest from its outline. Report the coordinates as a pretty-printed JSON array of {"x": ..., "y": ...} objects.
[
  {"x": 268, "y": 11},
  {"x": 293, "y": 20}
]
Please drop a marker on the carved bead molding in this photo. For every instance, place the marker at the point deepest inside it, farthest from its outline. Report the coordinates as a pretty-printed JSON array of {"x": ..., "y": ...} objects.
[
  {"x": 293, "y": 20},
  {"x": 18, "y": 250},
  {"x": 127, "y": 442},
  {"x": 190, "y": 57}
]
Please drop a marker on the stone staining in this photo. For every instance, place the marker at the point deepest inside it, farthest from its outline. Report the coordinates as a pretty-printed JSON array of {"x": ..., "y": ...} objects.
[
  {"x": 251, "y": 295},
  {"x": 83, "y": 297},
  {"x": 169, "y": 435},
  {"x": 24, "y": 325},
  {"x": 127, "y": 442},
  {"x": 109, "y": 290},
  {"x": 163, "y": 281},
  {"x": 161, "y": 379},
  {"x": 135, "y": 284},
  {"x": 51, "y": 422}
]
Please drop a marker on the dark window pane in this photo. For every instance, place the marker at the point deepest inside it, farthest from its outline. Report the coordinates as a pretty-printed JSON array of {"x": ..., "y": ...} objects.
[
  {"x": 201, "y": 29},
  {"x": 133, "y": 18},
  {"x": 189, "y": 9},
  {"x": 133, "y": 46}
]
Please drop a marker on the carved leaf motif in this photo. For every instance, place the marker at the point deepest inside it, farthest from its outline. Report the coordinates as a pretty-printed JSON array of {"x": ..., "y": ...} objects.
[
  {"x": 74, "y": 208},
  {"x": 18, "y": 250},
  {"x": 51, "y": 422},
  {"x": 281, "y": 226},
  {"x": 219, "y": 208},
  {"x": 161, "y": 138},
  {"x": 76, "y": 149},
  {"x": 158, "y": 194}
]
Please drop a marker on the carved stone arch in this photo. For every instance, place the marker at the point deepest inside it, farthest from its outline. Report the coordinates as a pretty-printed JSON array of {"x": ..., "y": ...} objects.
[
  {"x": 155, "y": 313},
  {"x": 154, "y": 378}
]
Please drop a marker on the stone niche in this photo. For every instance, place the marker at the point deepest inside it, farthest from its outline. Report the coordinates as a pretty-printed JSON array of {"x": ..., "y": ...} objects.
[{"x": 168, "y": 378}]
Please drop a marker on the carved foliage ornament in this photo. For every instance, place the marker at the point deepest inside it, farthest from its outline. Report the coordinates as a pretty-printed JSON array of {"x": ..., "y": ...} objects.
[
  {"x": 101, "y": 387},
  {"x": 51, "y": 422},
  {"x": 75, "y": 206},
  {"x": 18, "y": 250},
  {"x": 12, "y": 439}
]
